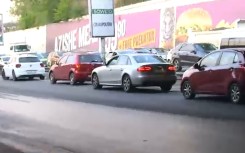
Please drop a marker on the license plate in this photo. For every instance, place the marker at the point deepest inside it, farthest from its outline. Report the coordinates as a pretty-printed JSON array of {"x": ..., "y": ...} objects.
[{"x": 31, "y": 72}]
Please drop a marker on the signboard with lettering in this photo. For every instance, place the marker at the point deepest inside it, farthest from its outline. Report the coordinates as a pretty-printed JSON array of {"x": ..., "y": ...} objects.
[
  {"x": 133, "y": 30},
  {"x": 1, "y": 30},
  {"x": 102, "y": 18}
]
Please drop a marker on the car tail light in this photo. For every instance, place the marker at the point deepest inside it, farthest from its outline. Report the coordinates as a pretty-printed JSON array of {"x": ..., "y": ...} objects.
[
  {"x": 77, "y": 66},
  {"x": 172, "y": 68},
  {"x": 18, "y": 65},
  {"x": 41, "y": 64},
  {"x": 144, "y": 69}
]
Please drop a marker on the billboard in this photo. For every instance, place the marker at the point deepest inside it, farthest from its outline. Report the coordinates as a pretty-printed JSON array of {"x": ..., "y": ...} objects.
[
  {"x": 207, "y": 16},
  {"x": 1, "y": 30},
  {"x": 131, "y": 31}
]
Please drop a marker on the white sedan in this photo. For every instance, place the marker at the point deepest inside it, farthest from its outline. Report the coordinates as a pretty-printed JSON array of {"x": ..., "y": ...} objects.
[{"x": 22, "y": 66}]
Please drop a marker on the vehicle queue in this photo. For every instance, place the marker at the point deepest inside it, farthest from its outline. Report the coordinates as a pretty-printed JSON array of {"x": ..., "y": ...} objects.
[{"x": 134, "y": 68}]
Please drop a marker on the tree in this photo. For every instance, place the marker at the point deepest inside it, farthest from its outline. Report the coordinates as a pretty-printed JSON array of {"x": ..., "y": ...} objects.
[
  {"x": 33, "y": 13},
  {"x": 120, "y": 3},
  {"x": 68, "y": 9}
]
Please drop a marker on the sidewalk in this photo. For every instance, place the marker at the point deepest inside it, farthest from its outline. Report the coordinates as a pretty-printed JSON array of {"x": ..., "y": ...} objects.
[{"x": 7, "y": 149}]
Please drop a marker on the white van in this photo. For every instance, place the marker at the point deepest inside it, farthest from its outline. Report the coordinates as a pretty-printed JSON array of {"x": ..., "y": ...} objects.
[{"x": 233, "y": 38}]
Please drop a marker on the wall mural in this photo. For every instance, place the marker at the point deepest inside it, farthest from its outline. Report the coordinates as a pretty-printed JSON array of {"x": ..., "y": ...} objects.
[
  {"x": 167, "y": 28},
  {"x": 206, "y": 16}
]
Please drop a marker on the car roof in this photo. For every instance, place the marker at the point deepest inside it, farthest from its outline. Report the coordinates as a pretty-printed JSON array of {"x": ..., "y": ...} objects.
[
  {"x": 235, "y": 49},
  {"x": 26, "y": 55},
  {"x": 81, "y": 53}
]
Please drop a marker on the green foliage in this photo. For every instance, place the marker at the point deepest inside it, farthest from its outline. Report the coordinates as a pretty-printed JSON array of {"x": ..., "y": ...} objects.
[
  {"x": 120, "y": 3},
  {"x": 33, "y": 13}
]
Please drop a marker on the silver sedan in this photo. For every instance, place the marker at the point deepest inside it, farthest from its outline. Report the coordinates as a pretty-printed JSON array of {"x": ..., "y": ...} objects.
[{"x": 135, "y": 70}]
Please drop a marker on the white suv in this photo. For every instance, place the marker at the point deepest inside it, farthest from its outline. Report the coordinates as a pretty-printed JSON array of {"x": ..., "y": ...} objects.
[{"x": 23, "y": 66}]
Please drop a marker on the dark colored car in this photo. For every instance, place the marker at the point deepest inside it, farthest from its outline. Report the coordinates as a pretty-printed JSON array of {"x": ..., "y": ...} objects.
[
  {"x": 75, "y": 67},
  {"x": 187, "y": 54},
  {"x": 221, "y": 72}
]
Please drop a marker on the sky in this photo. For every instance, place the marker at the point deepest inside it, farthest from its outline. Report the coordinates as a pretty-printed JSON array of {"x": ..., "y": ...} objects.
[{"x": 4, "y": 9}]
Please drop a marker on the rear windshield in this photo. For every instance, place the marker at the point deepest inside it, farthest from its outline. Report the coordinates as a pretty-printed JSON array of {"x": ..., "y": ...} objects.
[
  {"x": 148, "y": 59},
  {"x": 90, "y": 58},
  {"x": 28, "y": 59}
]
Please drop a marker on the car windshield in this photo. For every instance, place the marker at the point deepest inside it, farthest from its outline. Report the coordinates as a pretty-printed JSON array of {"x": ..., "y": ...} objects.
[
  {"x": 206, "y": 47},
  {"x": 21, "y": 48},
  {"x": 45, "y": 55},
  {"x": 90, "y": 58},
  {"x": 5, "y": 59},
  {"x": 125, "y": 52},
  {"x": 148, "y": 59},
  {"x": 28, "y": 59}
]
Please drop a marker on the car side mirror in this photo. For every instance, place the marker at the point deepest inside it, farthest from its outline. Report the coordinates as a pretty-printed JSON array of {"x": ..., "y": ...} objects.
[
  {"x": 196, "y": 66},
  {"x": 194, "y": 52}
]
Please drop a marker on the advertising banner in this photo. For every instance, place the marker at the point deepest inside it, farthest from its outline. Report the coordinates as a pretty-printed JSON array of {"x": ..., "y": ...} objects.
[
  {"x": 208, "y": 16},
  {"x": 131, "y": 31},
  {"x": 102, "y": 18},
  {"x": 1, "y": 30}
]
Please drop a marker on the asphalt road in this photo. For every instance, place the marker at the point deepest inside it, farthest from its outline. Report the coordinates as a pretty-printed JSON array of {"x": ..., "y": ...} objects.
[
  {"x": 149, "y": 99},
  {"x": 77, "y": 117}
]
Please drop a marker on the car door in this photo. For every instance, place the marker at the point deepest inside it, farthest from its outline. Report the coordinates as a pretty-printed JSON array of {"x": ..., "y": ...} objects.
[
  {"x": 67, "y": 66},
  {"x": 203, "y": 79},
  {"x": 59, "y": 70},
  {"x": 7, "y": 67},
  {"x": 225, "y": 71},
  {"x": 123, "y": 63},
  {"x": 106, "y": 75},
  {"x": 185, "y": 54}
]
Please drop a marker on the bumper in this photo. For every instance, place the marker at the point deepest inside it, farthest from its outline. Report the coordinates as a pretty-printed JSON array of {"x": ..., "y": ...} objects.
[
  {"x": 24, "y": 73},
  {"x": 154, "y": 80},
  {"x": 83, "y": 76}
]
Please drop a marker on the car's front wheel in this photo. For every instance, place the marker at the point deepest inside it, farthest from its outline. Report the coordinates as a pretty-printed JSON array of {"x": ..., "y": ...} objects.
[
  {"x": 187, "y": 90},
  {"x": 96, "y": 82},
  {"x": 235, "y": 93},
  {"x": 4, "y": 75},
  {"x": 176, "y": 63},
  {"x": 52, "y": 78}
]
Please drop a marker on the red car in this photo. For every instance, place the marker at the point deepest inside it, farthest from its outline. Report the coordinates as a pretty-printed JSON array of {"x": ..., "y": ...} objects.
[
  {"x": 221, "y": 72},
  {"x": 75, "y": 67}
]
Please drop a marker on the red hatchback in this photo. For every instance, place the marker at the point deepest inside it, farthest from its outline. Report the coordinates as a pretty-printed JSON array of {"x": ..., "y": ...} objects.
[
  {"x": 75, "y": 67},
  {"x": 221, "y": 72}
]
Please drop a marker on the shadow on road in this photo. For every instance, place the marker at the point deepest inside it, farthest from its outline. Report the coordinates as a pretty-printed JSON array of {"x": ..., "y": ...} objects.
[{"x": 139, "y": 90}]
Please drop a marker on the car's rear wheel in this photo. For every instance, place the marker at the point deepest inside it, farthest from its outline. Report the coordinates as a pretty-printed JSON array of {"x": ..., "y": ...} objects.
[
  {"x": 176, "y": 63},
  {"x": 127, "y": 84},
  {"x": 4, "y": 75},
  {"x": 72, "y": 79},
  {"x": 166, "y": 87},
  {"x": 42, "y": 77},
  {"x": 52, "y": 78},
  {"x": 14, "y": 76},
  {"x": 96, "y": 82},
  {"x": 187, "y": 90},
  {"x": 235, "y": 93}
]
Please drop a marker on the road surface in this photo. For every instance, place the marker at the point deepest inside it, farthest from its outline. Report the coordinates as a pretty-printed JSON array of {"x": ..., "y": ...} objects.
[{"x": 38, "y": 116}]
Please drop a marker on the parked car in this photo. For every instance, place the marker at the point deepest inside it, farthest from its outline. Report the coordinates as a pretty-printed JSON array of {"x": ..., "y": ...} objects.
[
  {"x": 43, "y": 58},
  {"x": 221, "y": 72},
  {"x": 187, "y": 54},
  {"x": 134, "y": 70},
  {"x": 75, "y": 67},
  {"x": 22, "y": 66},
  {"x": 161, "y": 52},
  {"x": 53, "y": 57}
]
